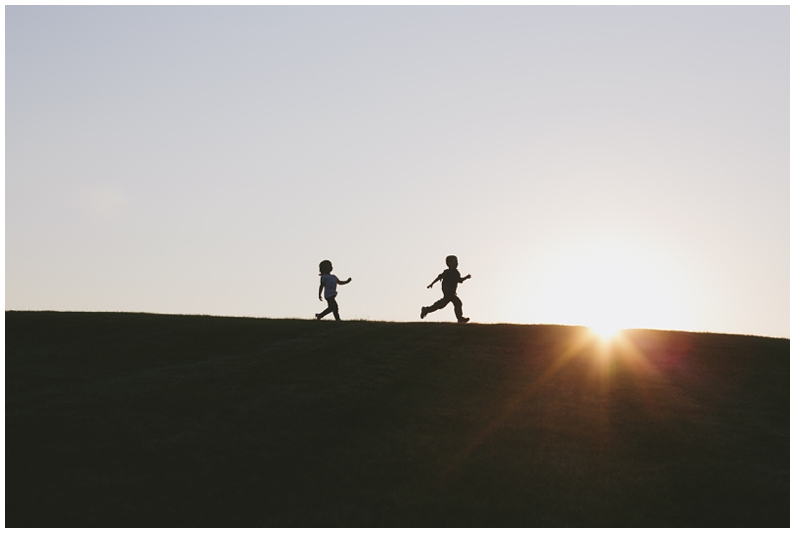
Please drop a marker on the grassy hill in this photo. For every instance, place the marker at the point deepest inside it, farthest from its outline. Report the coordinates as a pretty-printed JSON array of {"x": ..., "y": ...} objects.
[{"x": 154, "y": 420}]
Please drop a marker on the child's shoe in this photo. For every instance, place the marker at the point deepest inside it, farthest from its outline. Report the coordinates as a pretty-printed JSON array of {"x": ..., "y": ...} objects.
[
  {"x": 423, "y": 312},
  {"x": 317, "y": 316},
  {"x": 463, "y": 320}
]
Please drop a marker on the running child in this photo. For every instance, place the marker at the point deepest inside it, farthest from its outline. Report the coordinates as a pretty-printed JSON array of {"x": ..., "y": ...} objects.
[
  {"x": 328, "y": 288},
  {"x": 450, "y": 279}
]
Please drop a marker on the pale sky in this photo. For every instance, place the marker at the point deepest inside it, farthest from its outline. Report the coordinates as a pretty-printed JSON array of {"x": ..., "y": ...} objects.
[{"x": 627, "y": 164}]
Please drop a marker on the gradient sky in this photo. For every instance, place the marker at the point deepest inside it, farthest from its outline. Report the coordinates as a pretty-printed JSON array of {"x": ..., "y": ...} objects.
[{"x": 627, "y": 165}]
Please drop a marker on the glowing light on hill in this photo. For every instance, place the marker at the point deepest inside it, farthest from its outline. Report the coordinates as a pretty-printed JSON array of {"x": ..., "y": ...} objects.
[
  {"x": 606, "y": 331},
  {"x": 608, "y": 285}
]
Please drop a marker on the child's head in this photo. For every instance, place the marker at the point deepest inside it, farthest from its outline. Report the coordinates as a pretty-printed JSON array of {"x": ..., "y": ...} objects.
[
  {"x": 452, "y": 261},
  {"x": 325, "y": 267}
]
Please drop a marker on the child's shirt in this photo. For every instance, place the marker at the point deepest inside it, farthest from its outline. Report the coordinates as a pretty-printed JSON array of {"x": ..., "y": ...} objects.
[
  {"x": 329, "y": 282},
  {"x": 450, "y": 280}
]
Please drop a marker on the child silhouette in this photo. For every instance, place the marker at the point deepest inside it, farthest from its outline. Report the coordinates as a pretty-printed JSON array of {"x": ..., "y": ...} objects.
[
  {"x": 450, "y": 279},
  {"x": 329, "y": 281}
]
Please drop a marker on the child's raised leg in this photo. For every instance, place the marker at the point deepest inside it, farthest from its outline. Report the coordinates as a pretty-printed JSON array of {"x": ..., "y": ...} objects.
[{"x": 439, "y": 304}]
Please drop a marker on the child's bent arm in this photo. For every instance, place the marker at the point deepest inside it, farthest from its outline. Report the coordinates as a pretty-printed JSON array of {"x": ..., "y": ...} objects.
[
  {"x": 320, "y": 292},
  {"x": 345, "y": 282}
]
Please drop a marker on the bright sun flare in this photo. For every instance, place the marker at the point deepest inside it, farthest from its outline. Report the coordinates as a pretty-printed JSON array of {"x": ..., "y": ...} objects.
[
  {"x": 606, "y": 331},
  {"x": 609, "y": 285}
]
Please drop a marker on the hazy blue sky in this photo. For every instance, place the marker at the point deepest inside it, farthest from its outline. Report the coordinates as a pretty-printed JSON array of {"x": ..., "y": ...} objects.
[{"x": 586, "y": 164}]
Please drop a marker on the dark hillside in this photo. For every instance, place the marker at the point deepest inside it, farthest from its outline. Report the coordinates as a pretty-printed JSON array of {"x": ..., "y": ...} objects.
[{"x": 152, "y": 420}]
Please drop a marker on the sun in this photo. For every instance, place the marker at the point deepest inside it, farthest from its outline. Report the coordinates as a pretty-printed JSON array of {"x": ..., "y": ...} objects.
[
  {"x": 606, "y": 331},
  {"x": 609, "y": 283}
]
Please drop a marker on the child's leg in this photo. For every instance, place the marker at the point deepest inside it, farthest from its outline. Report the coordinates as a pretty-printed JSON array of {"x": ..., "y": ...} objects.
[
  {"x": 439, "y": 304},
  {"x": 332, "y": 304},
  {"x": 332, "y": 308},
  {"x": 458, "y": 307}
]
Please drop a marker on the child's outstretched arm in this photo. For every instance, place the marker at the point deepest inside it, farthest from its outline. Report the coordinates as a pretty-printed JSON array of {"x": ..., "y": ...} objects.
[
  {"x": 345, "y": 282},
  {"x": 462, "y": 280},
  {"x": 439, "y": 277}
]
